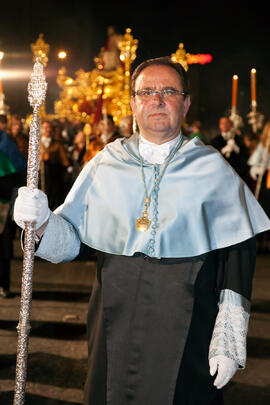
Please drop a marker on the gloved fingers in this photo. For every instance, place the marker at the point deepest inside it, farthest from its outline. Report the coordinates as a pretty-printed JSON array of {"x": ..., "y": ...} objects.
[
  {"x": 226, "y": 370},
  {"x": 31, "y": 206},
  {"x": 213, "y": 365},
  {"x": 28, "y": 194}
]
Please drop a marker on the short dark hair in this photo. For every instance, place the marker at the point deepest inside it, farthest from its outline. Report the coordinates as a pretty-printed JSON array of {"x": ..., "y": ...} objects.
[
  {"x": 163, "y": 61},
  {"x": 3, "y": 119}
]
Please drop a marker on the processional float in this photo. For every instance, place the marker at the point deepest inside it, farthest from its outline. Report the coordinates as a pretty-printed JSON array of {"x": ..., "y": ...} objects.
[{"x": 36, "y": 96}]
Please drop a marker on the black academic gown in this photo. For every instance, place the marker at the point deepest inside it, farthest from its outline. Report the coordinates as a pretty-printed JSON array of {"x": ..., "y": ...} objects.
[
  {"x": 237, "y": 160},
  {"x": 150, "y": 323}
]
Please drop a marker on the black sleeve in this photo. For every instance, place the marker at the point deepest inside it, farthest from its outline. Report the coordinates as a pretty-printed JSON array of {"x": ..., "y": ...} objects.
[
  {"x": 85, "y": 253},
  {"x": 236, "y": 266}
]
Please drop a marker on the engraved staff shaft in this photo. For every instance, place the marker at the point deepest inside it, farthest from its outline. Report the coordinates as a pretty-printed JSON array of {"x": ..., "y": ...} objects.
[{"x": 36, "y": 95}]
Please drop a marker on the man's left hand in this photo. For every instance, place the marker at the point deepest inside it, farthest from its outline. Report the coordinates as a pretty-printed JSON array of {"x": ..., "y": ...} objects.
[{"x": 225, "y": 369}]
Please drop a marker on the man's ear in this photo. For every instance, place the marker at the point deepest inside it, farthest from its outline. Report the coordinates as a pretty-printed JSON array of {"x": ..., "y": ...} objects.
[
  {"x": 187, "y": 103},
  {"x": 132, "y": 104}
]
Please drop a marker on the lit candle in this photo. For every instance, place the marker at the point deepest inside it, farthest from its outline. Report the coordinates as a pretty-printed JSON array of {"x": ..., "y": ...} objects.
[
  {"x": 234, "y": 90},
  {"x": 253, "y": 84}
]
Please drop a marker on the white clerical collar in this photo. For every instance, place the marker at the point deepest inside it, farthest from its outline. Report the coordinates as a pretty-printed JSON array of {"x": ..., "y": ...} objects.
[
  {"x": 46, "y": 141},
  {"x": 227, "y": 135},
  {"x": 156, "y": 154}
]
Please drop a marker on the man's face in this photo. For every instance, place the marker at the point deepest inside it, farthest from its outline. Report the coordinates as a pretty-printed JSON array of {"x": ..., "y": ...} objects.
[
  {"x": 110, "y": 126},
  {"x": 15, "y": 128},
  {"x": 224, "y": 125},
  {"x": 159, "y": 117},
  {"x": 46, "y": 129}
]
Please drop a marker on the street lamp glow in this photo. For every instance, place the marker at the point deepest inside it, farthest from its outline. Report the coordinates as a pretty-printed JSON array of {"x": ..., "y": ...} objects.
[{"x": 62, "y": 55}]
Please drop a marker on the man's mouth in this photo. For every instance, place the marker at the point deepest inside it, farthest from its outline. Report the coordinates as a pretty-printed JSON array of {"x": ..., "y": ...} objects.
[{"x": 158, "y": 115}]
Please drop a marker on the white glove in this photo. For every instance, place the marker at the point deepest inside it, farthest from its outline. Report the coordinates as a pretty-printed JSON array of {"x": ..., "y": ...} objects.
[
  {"x": 255, "y": 171},
  {"x": 31, "y": 206},
  {"x": 230, "y": 147},
  {"x": 69, "y": 169},
  {"x": 225, "y": 368}
]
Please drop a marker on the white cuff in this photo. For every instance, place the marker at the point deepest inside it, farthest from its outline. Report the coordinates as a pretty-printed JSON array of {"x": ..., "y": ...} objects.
[
  {"x": 230, "y": 331},
  {"x": 60, "y": 241}
]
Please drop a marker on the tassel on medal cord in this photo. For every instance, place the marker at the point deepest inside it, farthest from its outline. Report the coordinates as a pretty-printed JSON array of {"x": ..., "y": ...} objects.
[
  {"x": 36, "y": 96},
  {"x": 265, "y": 155}
]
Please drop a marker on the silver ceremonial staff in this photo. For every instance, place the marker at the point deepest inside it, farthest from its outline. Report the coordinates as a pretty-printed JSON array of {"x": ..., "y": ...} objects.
[{"x": 36, "y": 96}]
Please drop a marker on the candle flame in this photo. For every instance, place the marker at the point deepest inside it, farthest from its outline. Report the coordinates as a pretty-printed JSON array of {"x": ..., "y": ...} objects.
[
  {"x": 235, "y": 77},
  {"x": 253, "y": 70}
]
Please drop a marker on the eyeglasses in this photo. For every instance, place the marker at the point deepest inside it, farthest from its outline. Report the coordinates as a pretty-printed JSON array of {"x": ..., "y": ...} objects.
[{"x": 167, "y": 94}]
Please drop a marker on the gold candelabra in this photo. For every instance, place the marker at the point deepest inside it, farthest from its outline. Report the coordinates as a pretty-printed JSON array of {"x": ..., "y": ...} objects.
[{"x": 128, "y": 47}]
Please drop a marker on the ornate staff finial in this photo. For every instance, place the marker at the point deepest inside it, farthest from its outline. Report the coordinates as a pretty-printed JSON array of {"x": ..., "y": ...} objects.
[
  {"x": 37, "y": 86},
  {"x": 37, "y": 91},
  {"x": 40, "y": 50}
]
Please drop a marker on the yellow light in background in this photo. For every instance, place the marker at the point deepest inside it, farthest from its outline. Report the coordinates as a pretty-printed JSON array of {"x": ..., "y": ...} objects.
[
  {"x": 1, "y": 55},
  {"x": 62, "y": 55},
  {"x": 13, "y": 74}
]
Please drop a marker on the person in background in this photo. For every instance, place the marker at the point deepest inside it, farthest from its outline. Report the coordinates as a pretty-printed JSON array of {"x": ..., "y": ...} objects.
[
  {"x": 125, "y": 126},
  {"x": 18, "y": 135},
  {"x": 10, "y": 181},
  {"x": 108, "y": 130},
  {"x": 251, "y": 141},
  {"x": 196, "y": 131},
  {"x": 259, "y": 164},
  {"x": 10, "y": 148},
  {"x": 232, "y": 147},
  {"x": 3, "y": 123},
  {"x": 53, "y": 165},
  {"x": 77, "y": 152}
]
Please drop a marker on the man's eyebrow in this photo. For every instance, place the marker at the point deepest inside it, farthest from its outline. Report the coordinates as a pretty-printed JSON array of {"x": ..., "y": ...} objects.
[
  {"x": 163, "y": 88},
  {"x": 170, "y": 88}
]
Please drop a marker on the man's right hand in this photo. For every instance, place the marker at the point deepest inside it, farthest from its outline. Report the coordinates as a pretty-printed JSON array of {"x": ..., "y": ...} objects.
[{"x": 31, "y": 206}]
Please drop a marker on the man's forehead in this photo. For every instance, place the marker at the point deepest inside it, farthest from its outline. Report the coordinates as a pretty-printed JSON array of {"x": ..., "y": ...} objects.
[{"x": 155, "y": 75}]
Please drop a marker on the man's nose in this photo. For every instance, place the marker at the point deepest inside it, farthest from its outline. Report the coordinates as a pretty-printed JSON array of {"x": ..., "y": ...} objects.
[{"x": 158, "y": 97}]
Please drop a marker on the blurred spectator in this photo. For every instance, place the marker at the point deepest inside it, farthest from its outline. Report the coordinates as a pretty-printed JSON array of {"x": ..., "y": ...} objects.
[
  {"x": 53, "y": 166},
  {"x": 125, "y": 126},
  {"x": 104, "y": 132},
  {"x": 196, "y": 128},
  {"x": 95, "y": 144},
  {"x": 10, "y": 181},
  {"x": 232, "y": 147},
  {"x": 77, "y": 152},
  {"x": 108, "y": 130},
  {"x": 251, "y": 141},
  {"x": 259, "y": 163},
  {"x": 3, "y": 122},
  {"x": 10, "y": 148},
  {"x": 18, "y": 135}
]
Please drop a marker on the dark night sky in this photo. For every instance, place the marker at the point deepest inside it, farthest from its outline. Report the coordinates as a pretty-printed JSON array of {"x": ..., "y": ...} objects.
[{"x": 236, "y": 37}]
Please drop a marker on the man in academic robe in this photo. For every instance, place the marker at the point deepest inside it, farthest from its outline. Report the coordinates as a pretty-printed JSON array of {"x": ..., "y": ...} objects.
[
  {"x": 174, "y": 227},
  {"x": 232, "y": 147}
]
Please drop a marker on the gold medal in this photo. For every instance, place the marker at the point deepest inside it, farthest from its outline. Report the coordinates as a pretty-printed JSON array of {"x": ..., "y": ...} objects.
[{"x": 143, "y": 223}]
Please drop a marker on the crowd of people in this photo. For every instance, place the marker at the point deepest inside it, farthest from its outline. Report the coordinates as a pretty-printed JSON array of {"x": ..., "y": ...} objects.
[
  {"x": 63, "y": 153},
  {"x": 65, "y": 150}
]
